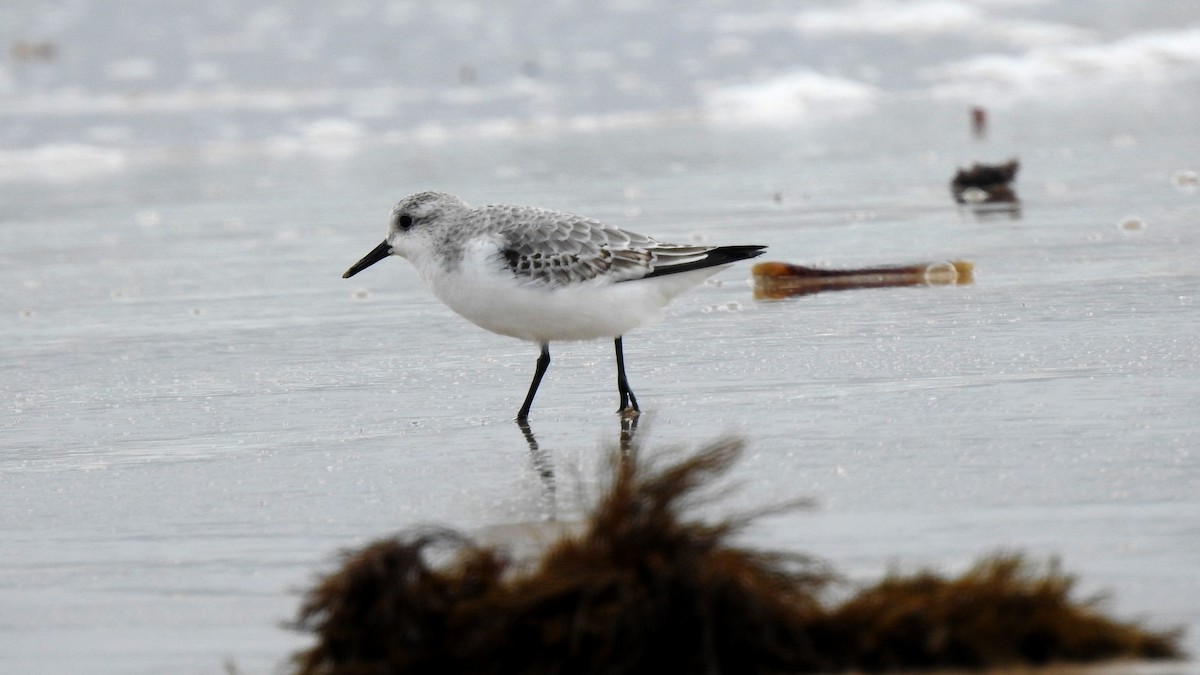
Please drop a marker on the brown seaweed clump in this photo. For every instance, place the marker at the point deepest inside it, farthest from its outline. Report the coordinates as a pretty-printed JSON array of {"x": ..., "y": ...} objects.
[
  {"x": 640, "y": 590},
  {"x": 643, "y": 590},
  {"x": 1005, "y": 611}
]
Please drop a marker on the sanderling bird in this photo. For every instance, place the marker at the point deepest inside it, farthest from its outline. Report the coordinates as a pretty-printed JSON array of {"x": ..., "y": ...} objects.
[{"x": 543, "y": 275}]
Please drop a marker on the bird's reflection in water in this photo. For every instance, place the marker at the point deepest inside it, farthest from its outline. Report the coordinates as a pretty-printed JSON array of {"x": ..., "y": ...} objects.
[
  {"x": 544, "y": 465},
  {"x": 625, "y": 441}
]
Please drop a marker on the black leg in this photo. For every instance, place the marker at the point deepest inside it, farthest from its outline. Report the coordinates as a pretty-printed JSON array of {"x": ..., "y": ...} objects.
[
  {"x": 543, "y": 363},
  {"x": 628, "y": 400}
]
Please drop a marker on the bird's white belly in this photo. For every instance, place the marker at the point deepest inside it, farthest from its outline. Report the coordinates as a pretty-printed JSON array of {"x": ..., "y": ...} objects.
[
  {"x": 492, "y": 298},
  {"x": 542, "y": 314}
]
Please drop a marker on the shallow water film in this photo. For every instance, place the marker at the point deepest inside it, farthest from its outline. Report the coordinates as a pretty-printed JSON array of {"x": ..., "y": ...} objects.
[{"x": 199, "y": 411}]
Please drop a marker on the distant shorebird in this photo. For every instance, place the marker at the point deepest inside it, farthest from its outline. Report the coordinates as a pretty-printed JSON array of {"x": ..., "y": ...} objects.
[{"x": 542, "y": 275}]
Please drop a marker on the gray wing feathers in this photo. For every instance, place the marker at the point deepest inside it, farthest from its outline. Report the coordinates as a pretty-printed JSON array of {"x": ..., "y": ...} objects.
[{"x": 557, "y": 249}]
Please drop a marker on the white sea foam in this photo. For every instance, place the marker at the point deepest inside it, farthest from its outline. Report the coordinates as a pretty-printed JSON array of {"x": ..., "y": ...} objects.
[
  {"x": 432, "y": 133},
  {"x": 6, "y": 81},
  {"x": 1031, "y": 56},
  {"x": 786, "y": 99},
  {"x": 131, "y": 69},
  {"x": 67, "y": 101},
  {"x": 924, "y": 18},
  {"x": 60, "y": 163},
  {"x": 374, "y": 101},
  {"x": 1142, "y": 58},
  {"x": 206, "y": 72},
  {"x": 879, "y": 17},
  {"x": 330, "y": 137}
]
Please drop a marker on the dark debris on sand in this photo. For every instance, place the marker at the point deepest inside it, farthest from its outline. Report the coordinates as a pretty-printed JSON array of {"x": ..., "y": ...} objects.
[
  {"x": 992, "y": 180},
  {"x": 644, "y": 590}
]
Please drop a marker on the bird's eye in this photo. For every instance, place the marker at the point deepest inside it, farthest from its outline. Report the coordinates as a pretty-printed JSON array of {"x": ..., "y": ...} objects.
[{"x": 405, "y": 222}]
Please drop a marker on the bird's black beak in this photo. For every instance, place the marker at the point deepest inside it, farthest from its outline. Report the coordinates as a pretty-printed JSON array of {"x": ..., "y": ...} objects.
[{"x": 378, "y": 253}]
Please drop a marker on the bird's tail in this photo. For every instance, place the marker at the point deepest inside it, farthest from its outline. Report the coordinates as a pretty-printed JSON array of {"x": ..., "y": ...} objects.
[{"x": 700, "y": 259}]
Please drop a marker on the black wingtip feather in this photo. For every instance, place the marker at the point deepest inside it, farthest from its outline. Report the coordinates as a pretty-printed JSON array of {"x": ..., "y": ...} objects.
[{"x": 721, "y": 255}]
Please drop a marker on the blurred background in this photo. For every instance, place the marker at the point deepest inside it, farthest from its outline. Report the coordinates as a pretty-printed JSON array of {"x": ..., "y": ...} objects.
[
  {"x": 88, "y": 87},
  {"x": 199, "y": 411}
]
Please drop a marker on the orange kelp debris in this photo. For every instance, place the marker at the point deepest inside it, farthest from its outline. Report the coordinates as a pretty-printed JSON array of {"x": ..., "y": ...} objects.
[
  {"x": 775, "y": 280},
  {"x": 985, "y": 183},
  {"x": 644, "y": 591}
]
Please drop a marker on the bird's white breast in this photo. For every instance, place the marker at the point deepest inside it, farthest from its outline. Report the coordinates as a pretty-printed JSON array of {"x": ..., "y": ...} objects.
[{"x": 481, "y": 289}]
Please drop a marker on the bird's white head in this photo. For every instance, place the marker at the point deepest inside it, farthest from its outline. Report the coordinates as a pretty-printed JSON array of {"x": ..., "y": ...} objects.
[{"x": 413, "y": 228}]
